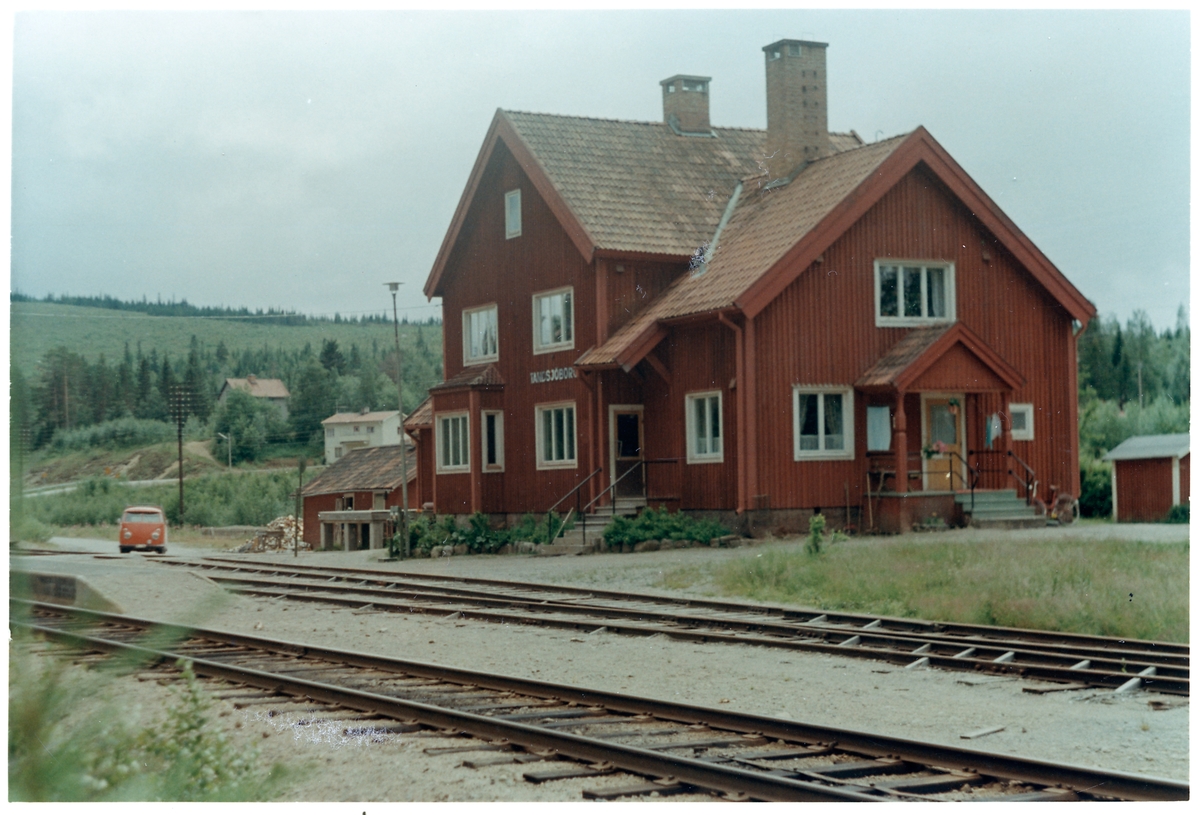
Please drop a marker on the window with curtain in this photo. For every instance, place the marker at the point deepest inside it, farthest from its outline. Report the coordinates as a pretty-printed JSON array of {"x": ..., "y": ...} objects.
[{"x": 823, "y": 423}]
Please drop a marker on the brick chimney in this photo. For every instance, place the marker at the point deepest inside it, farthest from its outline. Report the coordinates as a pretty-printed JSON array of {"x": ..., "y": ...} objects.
[
  {"x": 685, "y": 104},
  {"x": 797, "y": 123}
]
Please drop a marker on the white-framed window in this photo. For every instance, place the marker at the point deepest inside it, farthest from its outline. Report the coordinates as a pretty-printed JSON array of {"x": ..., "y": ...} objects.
[
  {"x": 704, "y": 430},
  {"x": 822, "y": 422},
  {"x": 512, "y": 214},
  {"x": 1022, "y": 421},
  {"x": 555, "y": 435},
  {"x": 492, "y": 433},
  {"x": 913, "y": 292},
  {"x": 453, "y": 443},
  {"x": 481, "y": 341},
  {"x": 553, "y": 321}
]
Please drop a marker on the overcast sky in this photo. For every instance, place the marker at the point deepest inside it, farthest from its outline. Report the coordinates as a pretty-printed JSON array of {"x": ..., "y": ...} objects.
[{"x": 300, "y": 160}]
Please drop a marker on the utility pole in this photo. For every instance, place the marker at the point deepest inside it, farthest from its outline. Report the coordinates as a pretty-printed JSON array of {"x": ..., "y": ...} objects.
[
  {"x": 393, "y": 287},
  {"x": 299, "y": 509},
  {"x": 180, "y": 406}
]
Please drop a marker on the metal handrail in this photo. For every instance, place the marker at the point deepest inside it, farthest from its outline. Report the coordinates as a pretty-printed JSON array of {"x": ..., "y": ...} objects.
[
  {"x": 574, "y": 491},
  {"x": 974, "y": 471},
  {"x": 641, "y": 464},
  {"x": 1030, "y": 483}
]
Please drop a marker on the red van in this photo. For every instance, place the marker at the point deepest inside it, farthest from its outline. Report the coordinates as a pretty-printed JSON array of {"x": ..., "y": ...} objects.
[{"x": 143, "y": 528}]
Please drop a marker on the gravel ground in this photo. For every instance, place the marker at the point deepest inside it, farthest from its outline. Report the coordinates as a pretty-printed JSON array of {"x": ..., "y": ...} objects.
[{"x": 1091, "y": 728}]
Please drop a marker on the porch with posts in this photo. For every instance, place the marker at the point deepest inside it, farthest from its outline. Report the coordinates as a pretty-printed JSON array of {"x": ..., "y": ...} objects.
[
  {"x": 938, "y": 429},
  {"x": 354, "y": 529}
]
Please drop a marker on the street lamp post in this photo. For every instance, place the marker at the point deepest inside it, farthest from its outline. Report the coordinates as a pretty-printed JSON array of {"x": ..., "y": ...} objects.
[
  {"x": 228, "y": 445},
  {"x": 393, "y": 287}
]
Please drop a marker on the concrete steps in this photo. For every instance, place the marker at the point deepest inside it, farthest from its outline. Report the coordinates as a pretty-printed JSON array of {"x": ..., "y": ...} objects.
[
  {"x": 571, "y": 542},
  {"x": 998, "y": 509}
]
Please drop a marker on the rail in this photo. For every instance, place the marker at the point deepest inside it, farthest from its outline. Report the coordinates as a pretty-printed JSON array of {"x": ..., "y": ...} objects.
[
  {"x": 550, "y": 512},
  {"x": 1030, "y": 482},
  {"x": 974, "y": 471},
  {"x": 642, "y": 465},
  {"x": 729, "y": 752}
]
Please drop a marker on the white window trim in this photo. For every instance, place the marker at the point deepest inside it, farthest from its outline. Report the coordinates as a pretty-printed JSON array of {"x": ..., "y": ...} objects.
[
  {"x": 498, "y": 467},
  {"x": 951, "y": 299},
  {"x": 466, "y": 319},
  {"x": 1027, "y": 409},
  {"x": 512, "y": 230},
  {"x": 565, "y": 345},
  {"x": 847, "y": 423},
  {"x": 542, "y": 463},
  {"x": 690, "y": 421},
  {"x": 437, "y": 441}
]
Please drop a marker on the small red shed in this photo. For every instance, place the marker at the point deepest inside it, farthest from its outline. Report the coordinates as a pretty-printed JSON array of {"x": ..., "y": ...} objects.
[
  {"x": 348, "y": 506},
  {"x": 1150, "y": 475}
]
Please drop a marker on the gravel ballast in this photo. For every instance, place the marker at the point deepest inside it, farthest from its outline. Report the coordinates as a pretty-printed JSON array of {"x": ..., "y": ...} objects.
[{"x": 1091, "y": 728}]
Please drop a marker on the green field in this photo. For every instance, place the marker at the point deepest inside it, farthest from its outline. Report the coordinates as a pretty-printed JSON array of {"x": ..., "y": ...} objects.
[{"x": 38, "y": 327}]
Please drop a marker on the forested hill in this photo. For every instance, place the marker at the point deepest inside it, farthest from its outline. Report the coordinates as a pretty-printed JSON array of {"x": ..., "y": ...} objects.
[
  {"x": 38, "y": 326},
  {"x": 75, "y": 366}
]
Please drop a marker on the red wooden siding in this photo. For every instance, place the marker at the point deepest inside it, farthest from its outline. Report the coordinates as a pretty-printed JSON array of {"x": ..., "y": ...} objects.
[
  {"x": 1144, "y": 489},
  {"x": 632, "y": 288},
  {"x": 1185, "y": 479},
  {"x": 485, "y": 267},
  {"x": 699, "y": 358},
  {"x": 314, "y": 504},
  {"x": 821, "y": 331}
]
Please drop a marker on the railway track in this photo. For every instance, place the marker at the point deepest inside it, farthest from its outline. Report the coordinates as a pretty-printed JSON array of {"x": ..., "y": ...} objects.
[
  {"x": 623, "y": 745},
  {"x": 1069, "y": 660}
]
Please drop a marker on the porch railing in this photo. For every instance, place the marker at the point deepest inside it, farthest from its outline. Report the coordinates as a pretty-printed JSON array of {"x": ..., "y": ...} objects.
[
  {"x": 645, "y": 481},
  {"x": 578, "y": 498},
  {"x": 972, "y": 470},
  {"x": 1029, "y": 476}
]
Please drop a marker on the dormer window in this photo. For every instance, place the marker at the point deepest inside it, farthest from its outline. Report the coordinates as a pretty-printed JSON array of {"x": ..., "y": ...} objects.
[
  {"x": 913, "y": 292},
  {"x": 512, "y": 214}
]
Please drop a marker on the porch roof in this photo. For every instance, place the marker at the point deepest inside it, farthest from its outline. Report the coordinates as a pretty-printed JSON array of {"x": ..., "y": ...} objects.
[
  {"x": 944, "y": 357},
  {"x": 475, "y": 376}
]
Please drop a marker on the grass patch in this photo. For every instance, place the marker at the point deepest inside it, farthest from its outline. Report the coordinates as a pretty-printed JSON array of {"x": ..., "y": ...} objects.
[
  {"x": 1080, "y": 586},
  {"x": 68, "y": 740}
]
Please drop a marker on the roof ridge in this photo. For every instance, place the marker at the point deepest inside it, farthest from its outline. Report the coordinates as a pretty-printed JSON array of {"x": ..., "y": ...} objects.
[{"x": 740, "y": 128}]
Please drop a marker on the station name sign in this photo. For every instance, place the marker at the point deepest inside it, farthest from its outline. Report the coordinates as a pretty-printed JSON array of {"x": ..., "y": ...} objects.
[{"x": 551, "y": 375}]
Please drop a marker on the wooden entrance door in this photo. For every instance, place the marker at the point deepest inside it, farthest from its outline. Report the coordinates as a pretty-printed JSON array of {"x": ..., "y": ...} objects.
[
  {"x": 942, "y": 434},
  {"x": 626, "y": 431}
]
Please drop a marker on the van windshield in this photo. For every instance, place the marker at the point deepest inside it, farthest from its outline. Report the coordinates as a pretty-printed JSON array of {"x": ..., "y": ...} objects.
[{"x": 143, "y": 518}]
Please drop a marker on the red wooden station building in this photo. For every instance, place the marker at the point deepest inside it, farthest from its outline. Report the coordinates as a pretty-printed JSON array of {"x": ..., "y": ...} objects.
[{"x": 754, "y": 324}]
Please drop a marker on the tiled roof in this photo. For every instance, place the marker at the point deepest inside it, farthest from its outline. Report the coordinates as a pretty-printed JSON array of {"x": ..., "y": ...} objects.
[
  {"x": 904, "y": 353},
  {"x": 1167, "y": 445},
  {"x": 422, "y": 416},
  {"x": 639, "y": 187},
  {"x": 636, "y": 186},
  {"x": 262, "y": 388},
  {"x": 765, "y": 224},
  {"x": 474, "y": 376},
  {"x": 361, "y": 469},
  {"x": 352, "y": 418}
]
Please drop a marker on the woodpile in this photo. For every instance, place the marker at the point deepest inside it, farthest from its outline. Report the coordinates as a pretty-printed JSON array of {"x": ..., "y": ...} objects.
[{"x": 280, "y": 534}]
